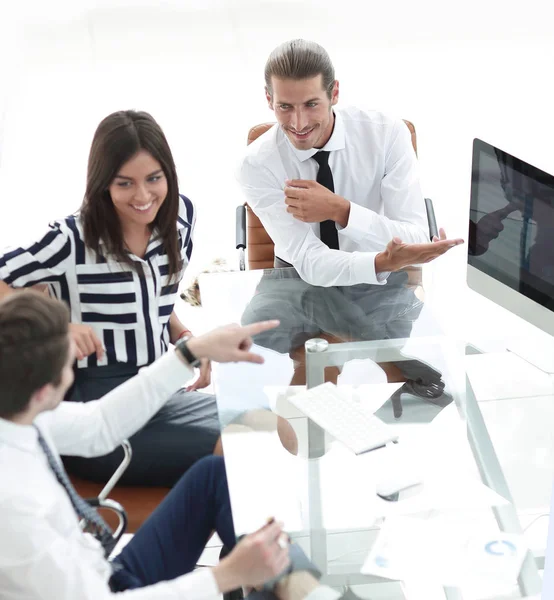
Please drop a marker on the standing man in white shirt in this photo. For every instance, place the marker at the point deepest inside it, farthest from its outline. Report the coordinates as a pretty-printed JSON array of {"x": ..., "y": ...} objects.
[
  {"x": 338, "y": 192},
  {"x": 43, "y": 552}
]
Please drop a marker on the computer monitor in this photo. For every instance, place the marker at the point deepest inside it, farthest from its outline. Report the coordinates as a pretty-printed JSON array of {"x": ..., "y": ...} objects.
[{"x": 511, "y": 235}]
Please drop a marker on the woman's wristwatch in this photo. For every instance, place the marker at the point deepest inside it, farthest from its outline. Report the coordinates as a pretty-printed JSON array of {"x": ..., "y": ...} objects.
[{"x": 182, "y": 347}]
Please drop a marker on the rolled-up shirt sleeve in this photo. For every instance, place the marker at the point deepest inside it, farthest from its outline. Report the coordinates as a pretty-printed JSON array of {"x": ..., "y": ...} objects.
[
  {"x": 315, "y": 262},
  {"x": 38, "y": 262}
]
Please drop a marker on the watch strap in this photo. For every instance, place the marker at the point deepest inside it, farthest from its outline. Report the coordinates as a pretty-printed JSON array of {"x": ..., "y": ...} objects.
[{"x": 182, "y": 347}]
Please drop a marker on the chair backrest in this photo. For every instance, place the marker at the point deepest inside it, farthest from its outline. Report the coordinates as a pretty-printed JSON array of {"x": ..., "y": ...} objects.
[{"x": 260, "y": 246}]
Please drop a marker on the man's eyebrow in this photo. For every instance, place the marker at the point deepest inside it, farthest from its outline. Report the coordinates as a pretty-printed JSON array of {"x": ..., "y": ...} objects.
[
  {"x": 305, "y": 101},
  {"x": 130, "y": 178}
]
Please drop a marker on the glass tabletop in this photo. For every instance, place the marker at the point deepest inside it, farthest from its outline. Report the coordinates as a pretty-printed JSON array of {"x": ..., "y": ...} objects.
[{"x": 388, "y": 357}]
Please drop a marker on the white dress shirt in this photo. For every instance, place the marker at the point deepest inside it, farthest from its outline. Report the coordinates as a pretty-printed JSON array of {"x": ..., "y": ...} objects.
[
  {"x": 374, "y": 167},
  {"x": 43, "y": 553}
]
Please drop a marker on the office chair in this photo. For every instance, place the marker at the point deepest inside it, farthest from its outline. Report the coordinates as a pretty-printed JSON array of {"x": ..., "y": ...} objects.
[{"x": 251, "y": 235}]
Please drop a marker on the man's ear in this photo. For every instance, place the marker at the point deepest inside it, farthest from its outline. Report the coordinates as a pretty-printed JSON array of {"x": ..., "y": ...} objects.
[
  {"x": 40, "y": 399},
  {"x": 335, "y": 93},
  {"x": 268, "y": 98}
]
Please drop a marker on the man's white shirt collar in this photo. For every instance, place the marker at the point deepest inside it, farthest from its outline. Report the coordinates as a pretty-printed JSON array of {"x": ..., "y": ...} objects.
[{"x": 22, "y": 437}]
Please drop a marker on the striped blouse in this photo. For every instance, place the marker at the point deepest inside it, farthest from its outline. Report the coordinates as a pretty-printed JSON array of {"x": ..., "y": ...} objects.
[{"x": 128, "y": 308}]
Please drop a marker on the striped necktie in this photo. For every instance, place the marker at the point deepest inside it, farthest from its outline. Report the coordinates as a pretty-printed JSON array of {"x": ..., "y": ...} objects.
[{"x": 95, "y": 524}]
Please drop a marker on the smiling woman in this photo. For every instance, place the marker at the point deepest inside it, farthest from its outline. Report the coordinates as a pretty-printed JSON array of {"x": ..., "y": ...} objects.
[{"x": 117, "y": 264}]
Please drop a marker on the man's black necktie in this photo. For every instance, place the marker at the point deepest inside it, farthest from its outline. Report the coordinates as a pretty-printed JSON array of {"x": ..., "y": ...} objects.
[
  {"x": 94, "y": 522},
  {"x": 327, "y": 229}
]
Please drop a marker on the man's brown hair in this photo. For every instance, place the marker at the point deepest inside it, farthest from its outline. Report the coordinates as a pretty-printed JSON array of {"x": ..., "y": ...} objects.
[
  {"x": 300, "y": 59},
  {"x": 34, "y": 346}
]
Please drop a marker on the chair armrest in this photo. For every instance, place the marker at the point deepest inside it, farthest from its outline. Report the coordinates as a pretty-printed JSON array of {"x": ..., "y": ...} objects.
[
  {"x": 433, "y": 229},
  {"x": 127, "y": 455},
  {"x": 240, "y": 234},
  {"x": 117, "y": 509}
]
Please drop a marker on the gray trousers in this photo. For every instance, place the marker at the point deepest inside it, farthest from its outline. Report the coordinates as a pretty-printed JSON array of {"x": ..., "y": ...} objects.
[
  {"x": 360, "y": 312},
  {"x": 184, "y": 430}
]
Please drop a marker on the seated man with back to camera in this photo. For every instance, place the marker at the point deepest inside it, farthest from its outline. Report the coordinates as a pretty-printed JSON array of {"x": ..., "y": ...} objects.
[
  {"x": 338, "y": 192},
  {"x": 44, "y": 554}
]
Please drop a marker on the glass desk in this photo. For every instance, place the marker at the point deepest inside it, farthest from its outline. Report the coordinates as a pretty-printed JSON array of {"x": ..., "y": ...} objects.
[{"x": 380, "y": 345}]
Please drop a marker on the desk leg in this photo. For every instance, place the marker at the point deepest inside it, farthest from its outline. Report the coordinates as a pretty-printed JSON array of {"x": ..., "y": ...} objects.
[
  {"x": 451, "y": 593},
  {"x": 316, "y": 440},
  {"x": 529, "y": 580},
  {"x": 318, "y": 535},
  {"x": 315, "y": 375},
  {"x": 315, "y": 370}
]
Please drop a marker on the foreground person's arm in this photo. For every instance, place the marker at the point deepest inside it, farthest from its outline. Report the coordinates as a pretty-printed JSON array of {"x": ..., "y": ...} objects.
[
  {"x": 44, "y": 565},
  {"x": 97, "y": 427}
]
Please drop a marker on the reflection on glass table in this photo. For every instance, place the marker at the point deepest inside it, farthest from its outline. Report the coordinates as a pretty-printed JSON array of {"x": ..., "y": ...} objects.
[
  {"x": 336, "y": 314},
  {"x": 381, "y": 348}
]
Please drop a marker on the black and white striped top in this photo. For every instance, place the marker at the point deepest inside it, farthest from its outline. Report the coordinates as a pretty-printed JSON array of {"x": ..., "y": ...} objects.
[{"x": 129, "y": 309}]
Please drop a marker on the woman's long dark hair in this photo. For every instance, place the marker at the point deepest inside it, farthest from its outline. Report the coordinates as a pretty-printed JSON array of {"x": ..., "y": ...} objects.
[{"x": 116, "y": 140}]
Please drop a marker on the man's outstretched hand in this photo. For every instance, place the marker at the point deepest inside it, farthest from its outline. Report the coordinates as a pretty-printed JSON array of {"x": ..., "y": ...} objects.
[
  {"x": 398, "y": 255},
  {"x": 230, "y": 343}
]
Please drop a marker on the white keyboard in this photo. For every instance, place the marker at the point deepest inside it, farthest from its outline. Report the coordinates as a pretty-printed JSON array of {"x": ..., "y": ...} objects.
[{"x": 341, "y": 416}]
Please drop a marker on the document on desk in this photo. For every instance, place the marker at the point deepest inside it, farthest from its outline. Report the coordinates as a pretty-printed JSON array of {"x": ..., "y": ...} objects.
[
  {"x": 452, "y": 553},
  {"x": 440, "y": 454},
  {"x": 504, "y": 375},
  {"x": 264, "y": 481}
]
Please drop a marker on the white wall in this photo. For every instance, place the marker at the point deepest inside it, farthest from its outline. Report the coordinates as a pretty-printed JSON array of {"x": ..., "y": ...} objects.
[{"x": 475, "y": 69}]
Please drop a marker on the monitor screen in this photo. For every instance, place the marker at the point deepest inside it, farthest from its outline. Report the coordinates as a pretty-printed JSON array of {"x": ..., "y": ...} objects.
[{"x": 511, "y": 223}]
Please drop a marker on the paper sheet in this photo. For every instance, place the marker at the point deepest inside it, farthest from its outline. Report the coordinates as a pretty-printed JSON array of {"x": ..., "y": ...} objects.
[
  {"x": 446, "y": 552},
  {"x": 264, "y": 481}
]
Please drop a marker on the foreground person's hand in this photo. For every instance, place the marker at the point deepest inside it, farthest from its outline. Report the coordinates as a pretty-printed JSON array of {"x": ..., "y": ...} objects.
[
  {"x": 257, "y": 558},
  {"x": 230, "y": 343}
]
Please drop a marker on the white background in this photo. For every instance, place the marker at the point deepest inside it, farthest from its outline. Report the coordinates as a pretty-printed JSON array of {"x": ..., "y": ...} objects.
[{"x": 475, "y": 69}]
